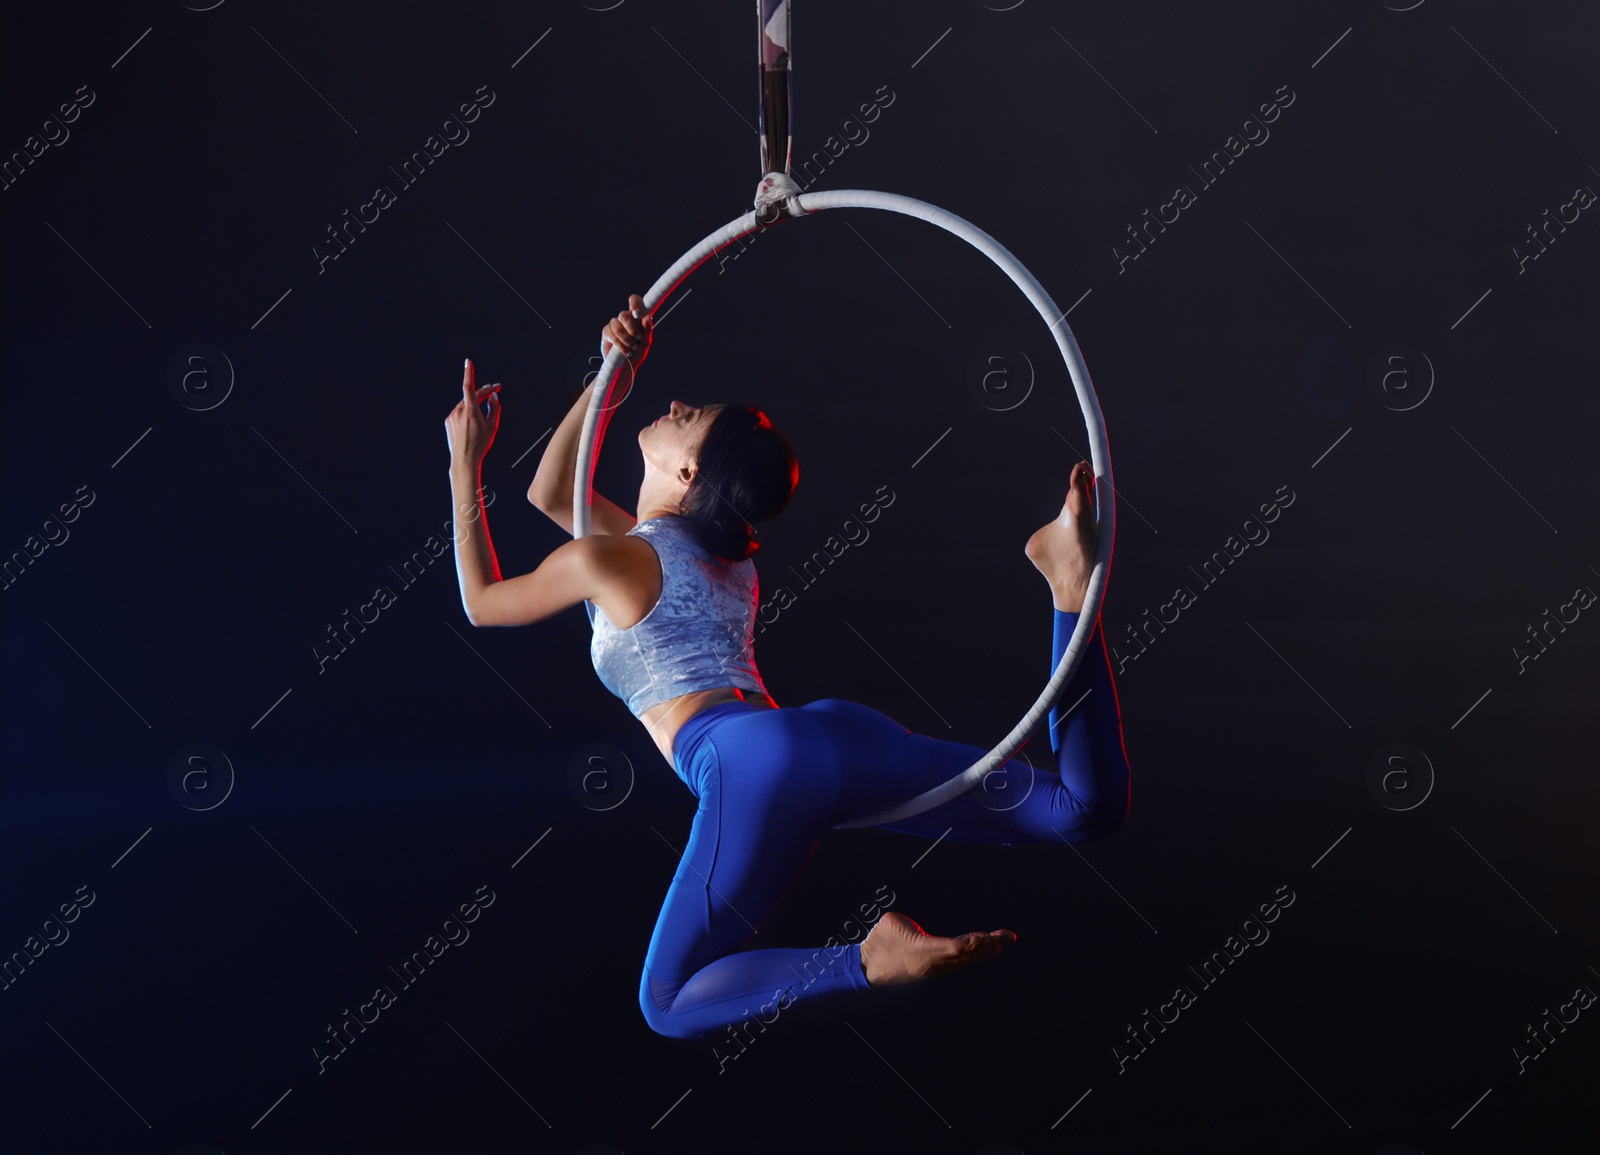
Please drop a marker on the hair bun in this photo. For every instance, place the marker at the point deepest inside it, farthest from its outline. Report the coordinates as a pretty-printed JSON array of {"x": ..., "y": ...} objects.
[{"x": 746, "y": 473}]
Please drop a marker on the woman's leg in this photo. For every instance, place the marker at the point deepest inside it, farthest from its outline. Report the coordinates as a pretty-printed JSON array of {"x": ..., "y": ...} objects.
[
  {"x": 767, "y": 785},
  {"x": 1084, "y": 796},
  {"x": 1087, "y": 794}
]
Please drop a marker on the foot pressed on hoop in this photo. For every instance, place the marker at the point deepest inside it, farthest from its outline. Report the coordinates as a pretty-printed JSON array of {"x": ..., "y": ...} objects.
[
  {"x": 899, "y": 951},
  {"x": 1064, "y": 549}
]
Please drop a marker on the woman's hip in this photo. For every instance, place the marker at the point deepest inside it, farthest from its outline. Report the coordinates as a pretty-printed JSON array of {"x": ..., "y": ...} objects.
[
  {"x": 753, "y": 752},
  {"x": 832, "y": 758}
]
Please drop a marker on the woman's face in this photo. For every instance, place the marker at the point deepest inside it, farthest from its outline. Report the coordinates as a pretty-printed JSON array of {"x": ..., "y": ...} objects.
[{"x": 673, "y": 440}]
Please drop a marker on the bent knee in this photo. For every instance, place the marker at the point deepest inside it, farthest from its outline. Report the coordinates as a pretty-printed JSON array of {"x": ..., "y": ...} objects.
[
  {"x": 675, "y": 1027},
  {"x": 665, "y": 1023},
  {"x": 1104, "y": 818},
  {"x": 660, "y": 1021}
]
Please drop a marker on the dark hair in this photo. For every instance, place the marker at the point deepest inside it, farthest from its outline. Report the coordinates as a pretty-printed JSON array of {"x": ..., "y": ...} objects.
[{"x": 746, "y": 472}]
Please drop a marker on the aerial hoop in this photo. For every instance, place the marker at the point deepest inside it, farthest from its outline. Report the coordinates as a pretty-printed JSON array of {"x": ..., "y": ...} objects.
[{"x": 777, "y": 199}]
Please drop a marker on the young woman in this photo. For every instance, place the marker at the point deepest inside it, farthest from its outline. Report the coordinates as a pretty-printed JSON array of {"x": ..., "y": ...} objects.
[{"x": 672, "y": 594}]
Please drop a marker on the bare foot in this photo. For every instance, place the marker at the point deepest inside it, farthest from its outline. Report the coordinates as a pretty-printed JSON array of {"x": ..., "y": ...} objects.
[
  {"x": 899, "y": 951},
  {"x": 1064, "y": 550}
]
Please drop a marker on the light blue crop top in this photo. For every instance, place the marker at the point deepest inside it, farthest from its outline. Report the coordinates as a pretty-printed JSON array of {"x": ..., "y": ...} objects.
[{"x": 700, "y": 634}]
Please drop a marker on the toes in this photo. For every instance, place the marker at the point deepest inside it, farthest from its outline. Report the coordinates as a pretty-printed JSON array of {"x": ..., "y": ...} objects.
[
  {"x": 1081, "y": 498},
  {"x": 1078, "y": 486},
  {"x": 981, "y": 944}
]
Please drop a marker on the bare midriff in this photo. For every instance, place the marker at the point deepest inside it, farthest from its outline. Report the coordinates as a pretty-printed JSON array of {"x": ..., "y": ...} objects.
[{"x": 664, "y": 718}]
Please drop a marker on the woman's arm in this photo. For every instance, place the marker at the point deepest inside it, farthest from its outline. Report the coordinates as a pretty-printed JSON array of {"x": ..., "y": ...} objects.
[
  {"x": 470, "y": 432},
  {"x": 553, "y": 479},
  {"x": 477, "y": 568},
  {"x": 584, "y": 568},
  {"x": 575, "y": 571},
  {"x": 551, "y": 490}
]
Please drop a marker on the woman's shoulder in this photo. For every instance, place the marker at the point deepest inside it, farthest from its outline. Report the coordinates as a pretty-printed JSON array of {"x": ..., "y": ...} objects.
[{"x": 624, "y": 557}]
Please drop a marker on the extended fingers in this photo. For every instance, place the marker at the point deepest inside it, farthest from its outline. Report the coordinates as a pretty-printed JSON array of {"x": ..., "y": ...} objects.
[{"x": 472, "y": 396}]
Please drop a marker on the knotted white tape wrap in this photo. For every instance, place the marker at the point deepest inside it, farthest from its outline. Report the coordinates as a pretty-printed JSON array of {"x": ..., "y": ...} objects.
[{"x": 779, "y": 188}]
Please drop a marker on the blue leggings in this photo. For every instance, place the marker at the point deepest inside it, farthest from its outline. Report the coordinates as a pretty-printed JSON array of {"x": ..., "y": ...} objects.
[{"x": 772, "y": 781}]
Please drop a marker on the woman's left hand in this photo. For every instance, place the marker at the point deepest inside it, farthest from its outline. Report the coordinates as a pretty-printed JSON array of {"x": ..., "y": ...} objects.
[{"x": 469, "y": 432}]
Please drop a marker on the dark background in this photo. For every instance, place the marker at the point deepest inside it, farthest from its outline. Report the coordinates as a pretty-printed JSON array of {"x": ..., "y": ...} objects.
[{"x": 1431, "y": 526}]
